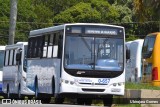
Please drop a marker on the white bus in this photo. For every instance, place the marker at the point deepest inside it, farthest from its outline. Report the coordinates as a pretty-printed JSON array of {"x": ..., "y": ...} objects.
[
  {"x": 133, "y": 65},
  {"x": 80, "y": 60},
  {"x": 14, "y": 70},
  {"x": 2, "y": 48}
]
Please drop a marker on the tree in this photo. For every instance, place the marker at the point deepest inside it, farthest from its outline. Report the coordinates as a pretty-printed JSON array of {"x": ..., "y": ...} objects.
[
  {"x": 82, "y": 12},
  {"x": 147, "y": 10},
  {"x": 94, "y": 11},
  {"x": 4, "y": 21},
  {"x": 13, "y": 19}
]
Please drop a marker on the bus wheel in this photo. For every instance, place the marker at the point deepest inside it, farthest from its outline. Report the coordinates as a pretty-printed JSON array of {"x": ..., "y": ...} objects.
[
  {"x": 19, "y": 92},
  {"x": 107, "y": 101},
  {"x": 45, "y": 99},
  {"x": 53, "y": 86},
  {"x": 36, "y": 90},
  {"x": 84, "y": 101},
  {"x": 88, "y": 101},
  {"x": 80, "y": 101},
  {"x": 58, "y": 100},
  {"x": 8, "y": 92}
]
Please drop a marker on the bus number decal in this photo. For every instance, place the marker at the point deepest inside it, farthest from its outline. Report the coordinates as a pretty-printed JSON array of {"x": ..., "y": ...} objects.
[{"x": 103, "y": 81}]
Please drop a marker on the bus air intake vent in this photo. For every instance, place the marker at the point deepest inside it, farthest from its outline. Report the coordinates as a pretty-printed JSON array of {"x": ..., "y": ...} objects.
[
  {"x": 92, "y": 84},
  {"x": 93, "y": 90}
]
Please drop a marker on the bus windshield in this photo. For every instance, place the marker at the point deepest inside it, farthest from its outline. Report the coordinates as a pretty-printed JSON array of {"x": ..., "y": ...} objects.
[
  {"x": 148, "y": 46},
  {"x": 93, "y": 53},
  {"x": 1, "y": 59}
]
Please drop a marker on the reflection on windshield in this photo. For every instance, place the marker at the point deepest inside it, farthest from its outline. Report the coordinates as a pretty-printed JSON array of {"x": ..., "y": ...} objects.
[{"x": 90, "y": 53}]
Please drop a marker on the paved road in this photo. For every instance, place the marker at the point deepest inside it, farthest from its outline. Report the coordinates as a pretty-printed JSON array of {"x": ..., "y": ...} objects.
[{"x": 42, "y": 105}]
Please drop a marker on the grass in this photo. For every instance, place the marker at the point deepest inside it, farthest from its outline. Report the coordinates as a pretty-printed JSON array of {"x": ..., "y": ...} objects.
[{"x": 129, "y": 85}]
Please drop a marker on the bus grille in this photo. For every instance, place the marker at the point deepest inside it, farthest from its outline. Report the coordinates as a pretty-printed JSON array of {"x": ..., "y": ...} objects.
[
  {"x": 92, "y": 84},
  {"x": 93, "y": 90}
]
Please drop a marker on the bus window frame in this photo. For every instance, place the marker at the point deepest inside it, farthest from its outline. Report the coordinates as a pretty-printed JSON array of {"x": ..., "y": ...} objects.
[{"x": 46, "y": 42}]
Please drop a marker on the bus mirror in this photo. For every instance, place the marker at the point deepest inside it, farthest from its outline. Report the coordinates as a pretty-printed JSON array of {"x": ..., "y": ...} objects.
[{"x": 127, "y": 54}]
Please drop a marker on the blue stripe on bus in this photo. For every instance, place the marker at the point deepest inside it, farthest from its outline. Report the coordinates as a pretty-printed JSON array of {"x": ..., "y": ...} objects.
[{"x": 1, "y": 85}]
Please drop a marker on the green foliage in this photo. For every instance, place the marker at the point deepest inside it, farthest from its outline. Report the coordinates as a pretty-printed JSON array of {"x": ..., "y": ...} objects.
[
  {"x": 82, "y": 12},
  {"x": 125, "y": 14},
  {"x": 95, "y": 11},
  {"x": 108, "y": 13},
  {"x": 147, "y": 10},
  {"x": 35, "y": 14},
  {"x": 131, "y": 38},
  {"x": 4, "y": 21},
  {"x": 130, "y": 85}
]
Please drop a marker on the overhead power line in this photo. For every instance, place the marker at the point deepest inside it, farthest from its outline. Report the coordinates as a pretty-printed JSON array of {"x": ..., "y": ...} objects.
[{"x": 63, "y": 23}]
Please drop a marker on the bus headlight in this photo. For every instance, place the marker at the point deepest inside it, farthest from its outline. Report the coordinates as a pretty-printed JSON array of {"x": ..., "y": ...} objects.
[
  {"x": 114, "y": 84},
  {"x": 67, "y": 82},
  {"x": 120, "y": 84},
  {"x": 71, "y": 82},
  {"x": 117, "y": 84}
]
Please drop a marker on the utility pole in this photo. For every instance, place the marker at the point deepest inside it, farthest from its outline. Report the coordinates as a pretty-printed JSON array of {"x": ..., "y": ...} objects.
[{"x": 12, "y": 23}]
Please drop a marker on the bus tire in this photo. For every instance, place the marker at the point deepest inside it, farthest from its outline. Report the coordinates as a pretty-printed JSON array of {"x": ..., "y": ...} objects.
[
  {"x": 36, "y": 89},
  {"x": 58, "y": 100},
  {"x": 53, "y": 86},
  {"x": 19, "y": 92},
  {"x": 8, "y": 91},
  {"x": 84, "y": 101},
  {"x": 88, "y": 101},
  {"x": 80, "y": 101},
  {"x": 108, "y": 100}
]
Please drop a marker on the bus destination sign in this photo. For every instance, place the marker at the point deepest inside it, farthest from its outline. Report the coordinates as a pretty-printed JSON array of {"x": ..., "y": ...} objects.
[{"x": 101, "y": 31}]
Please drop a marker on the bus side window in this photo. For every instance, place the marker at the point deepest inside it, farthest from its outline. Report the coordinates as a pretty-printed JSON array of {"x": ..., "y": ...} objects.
[
  {"x": 50, "y": 46},
  {"x": 30, "y": 48},
  {"x": 11, "y": 57},
  {"x": 55, "y": 45},
  {"x": 6, "y": 57},
  {"x": 39, "y": 46},
  {"x": 19, "y": 56},
  {"x": 14, "y": 60},
  {"x": 60, "y": 42},
  {"x": 45, "y": 45}
]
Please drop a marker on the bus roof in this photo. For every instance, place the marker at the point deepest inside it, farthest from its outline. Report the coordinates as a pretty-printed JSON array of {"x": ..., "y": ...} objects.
[
  {"x": 2, "y": 47},
  {"x": 24, "y": 43},
  {"x": 19, "y": 44},
  {"x": 61, "y": 27},
  {"x": 138, "y": 40},
  {"x": 155, "y": 33}
]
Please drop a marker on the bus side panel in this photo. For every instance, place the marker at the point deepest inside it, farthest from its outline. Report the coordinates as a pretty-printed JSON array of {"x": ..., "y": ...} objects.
[
  {"x": 10, "y": 77},
  {"x": 44, "y": 69},
  {"x": 156, "y": 60}
]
